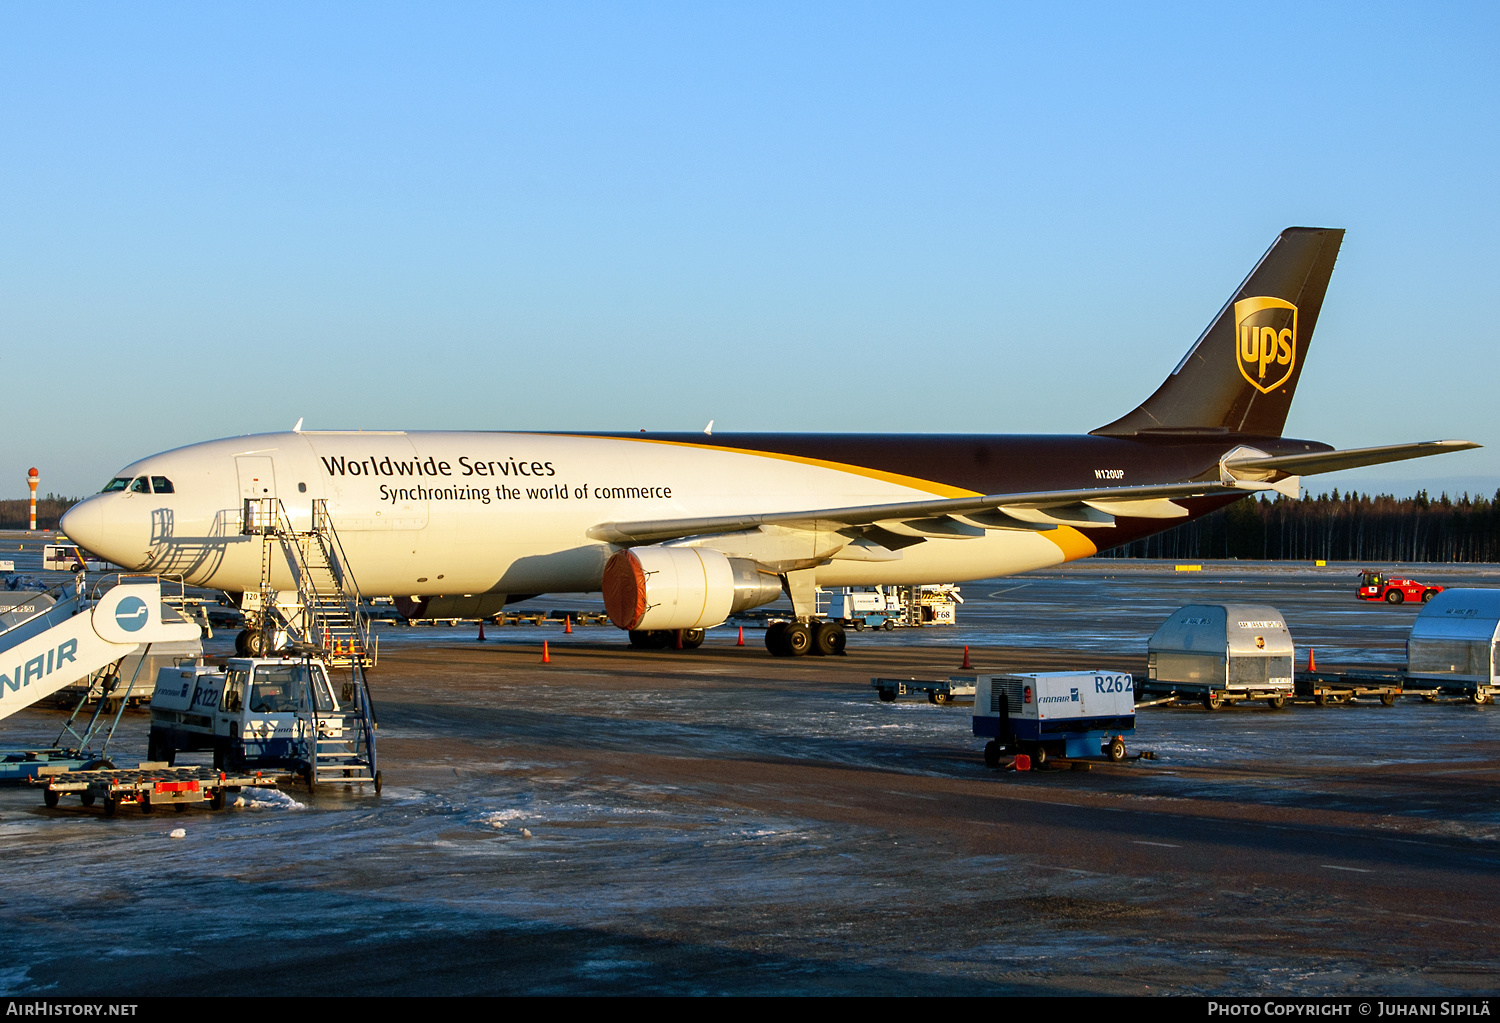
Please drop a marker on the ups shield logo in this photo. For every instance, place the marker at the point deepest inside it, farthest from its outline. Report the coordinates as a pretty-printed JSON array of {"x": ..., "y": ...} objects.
[{"x": 1265, "y": 341}]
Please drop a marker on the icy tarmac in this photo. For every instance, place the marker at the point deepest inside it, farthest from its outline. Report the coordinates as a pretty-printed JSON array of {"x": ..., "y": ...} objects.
[{"x": 719, "y": 821}]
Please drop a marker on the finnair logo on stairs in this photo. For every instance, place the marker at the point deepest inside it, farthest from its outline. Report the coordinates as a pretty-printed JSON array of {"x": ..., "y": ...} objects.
[
  {"x": 39, "y": 666},
  {"x": 131, "y": 614}
]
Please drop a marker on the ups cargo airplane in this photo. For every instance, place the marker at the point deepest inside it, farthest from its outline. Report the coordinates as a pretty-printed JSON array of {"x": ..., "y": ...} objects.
[{"x": 678, "y": 531}]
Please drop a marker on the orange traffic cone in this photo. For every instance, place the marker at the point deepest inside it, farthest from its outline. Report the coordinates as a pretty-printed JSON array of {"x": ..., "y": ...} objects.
[
  {"x": 742, "y": 637},
  {"x": 481, "y": 630},
  {"x": 966, "y": 663},
  {"x": 1312, "y": 662},
  {"x": 546, "y": 655},
  {"x": 567, "y": 623}
]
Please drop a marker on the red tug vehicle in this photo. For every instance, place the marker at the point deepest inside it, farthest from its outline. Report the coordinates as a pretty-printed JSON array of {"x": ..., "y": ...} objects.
[{"x": 1374, "y": 586}]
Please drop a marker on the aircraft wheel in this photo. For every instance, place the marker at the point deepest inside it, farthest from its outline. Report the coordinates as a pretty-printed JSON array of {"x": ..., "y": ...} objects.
[
  {"x": 257, "y": 644},
  {"x": 650, "y": 639},
  {"x": 828, "y": 639},
  {"x": 797, "y": 639},
  {"x": 1394, "y": 596},
  {"x": 692, "y": 639},
  {"x": 1428, "y": 595},
  {"x": 774, "y": 634},
  {"x": 240, "y": 642}
]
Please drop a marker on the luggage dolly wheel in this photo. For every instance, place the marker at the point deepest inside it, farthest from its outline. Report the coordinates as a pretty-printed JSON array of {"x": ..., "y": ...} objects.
[
  {"x": 146, "y": 806},
  {"x": 1213, "y": 699},
  {"x": 111, "y": 805},
  {"x": 1276, "y": 702},
  {"x": 86, "y": 797},
  {"x": 379, "y": 783},
  {"x": 216, "y": 799},
  {"x": 939, "y": 698},
  {"x": 49, "y": 797},
  {"x": 1115, "y": 749},
  {"x": 887, "y": 695},
  {"x": 1480, "y": 697},
  {"x": 992, "y": 754},
  {"x": 1388, "y": 699}
]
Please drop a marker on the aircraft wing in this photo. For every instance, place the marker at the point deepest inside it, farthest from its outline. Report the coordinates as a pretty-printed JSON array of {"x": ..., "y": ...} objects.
[
  {"x": 948, "y": 517},
  {"x": 1353, "y": 458},
  {"x": 906, "y": 522}
]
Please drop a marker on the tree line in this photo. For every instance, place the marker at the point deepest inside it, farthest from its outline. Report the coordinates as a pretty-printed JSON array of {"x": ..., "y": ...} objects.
[
  {"x": 1335, "y": 527},
  {"x": 49, "y": 509}
]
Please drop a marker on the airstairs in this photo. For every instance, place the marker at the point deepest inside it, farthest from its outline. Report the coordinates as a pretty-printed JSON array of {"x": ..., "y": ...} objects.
[
  {"x": 69, "y": 637},
  {"x": 321, "y": 617}
]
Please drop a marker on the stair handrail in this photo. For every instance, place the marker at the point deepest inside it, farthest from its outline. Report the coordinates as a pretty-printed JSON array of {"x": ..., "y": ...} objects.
[
  {"x": 78, "y": 586},
  {"x": 343, "y": 573}
]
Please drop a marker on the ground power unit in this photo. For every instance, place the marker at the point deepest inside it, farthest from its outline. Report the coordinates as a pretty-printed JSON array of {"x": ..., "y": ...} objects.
[{"x": 1061, "y": 713}]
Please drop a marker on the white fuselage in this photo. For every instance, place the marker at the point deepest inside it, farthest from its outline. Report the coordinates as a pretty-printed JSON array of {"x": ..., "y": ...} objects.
[{"x": 471, "y": 513}]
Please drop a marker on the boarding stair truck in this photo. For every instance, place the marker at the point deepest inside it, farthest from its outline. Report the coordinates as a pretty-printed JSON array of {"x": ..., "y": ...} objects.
[
  {"x": 67, "y": 639},
  {"x": 1069, "y": 714},
  {"x": 1452, "y": 644},
  {"x": 317, "y": 618},
  {"x": 262, "y": 714},
  {"x": 1218, "y": 654}
]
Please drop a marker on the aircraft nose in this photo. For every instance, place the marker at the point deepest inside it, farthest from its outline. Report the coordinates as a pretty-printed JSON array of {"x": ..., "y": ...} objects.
[
  {"x": 109, "y": 528},
  {"x": 84, "y": 525}
]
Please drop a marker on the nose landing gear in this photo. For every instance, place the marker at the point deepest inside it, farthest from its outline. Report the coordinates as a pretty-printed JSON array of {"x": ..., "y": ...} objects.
[{"x": 252, "y": 643}]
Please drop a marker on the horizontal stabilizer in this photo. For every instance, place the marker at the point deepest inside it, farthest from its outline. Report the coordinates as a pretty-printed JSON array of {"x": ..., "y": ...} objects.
[{"x": 1332, "y": 461}]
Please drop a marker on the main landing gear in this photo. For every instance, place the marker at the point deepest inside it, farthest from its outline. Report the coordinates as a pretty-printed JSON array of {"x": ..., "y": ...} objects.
[
  {"x": 666, "y": 639},
  {"x": 793, "y": 639}
]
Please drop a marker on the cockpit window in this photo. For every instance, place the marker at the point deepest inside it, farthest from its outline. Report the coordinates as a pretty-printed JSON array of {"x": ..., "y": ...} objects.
[
  {"x": 161, "y": 485},
  {"x": 116, "y": 484},
  {"x": 141, "y": 486}
]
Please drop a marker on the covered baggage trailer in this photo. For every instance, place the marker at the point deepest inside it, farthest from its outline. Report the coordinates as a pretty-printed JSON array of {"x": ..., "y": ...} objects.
[
  {"x": 1451, "y": 646},
  {"x": 1221, "y": 653},
  {"x": 1056, "y": 713}
]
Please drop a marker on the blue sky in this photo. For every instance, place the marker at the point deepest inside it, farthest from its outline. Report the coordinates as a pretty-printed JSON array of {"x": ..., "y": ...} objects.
[{"x": 216, "y": 219}]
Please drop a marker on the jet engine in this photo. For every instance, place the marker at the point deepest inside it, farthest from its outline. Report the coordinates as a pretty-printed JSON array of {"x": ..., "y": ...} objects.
[{"x": 649, "y": 588}]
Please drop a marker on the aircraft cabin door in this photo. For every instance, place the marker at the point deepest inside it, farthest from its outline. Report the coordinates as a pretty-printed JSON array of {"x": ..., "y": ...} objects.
[
  {"x": 257, "y": 479},
  {"x": 257, "y": 476}
]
